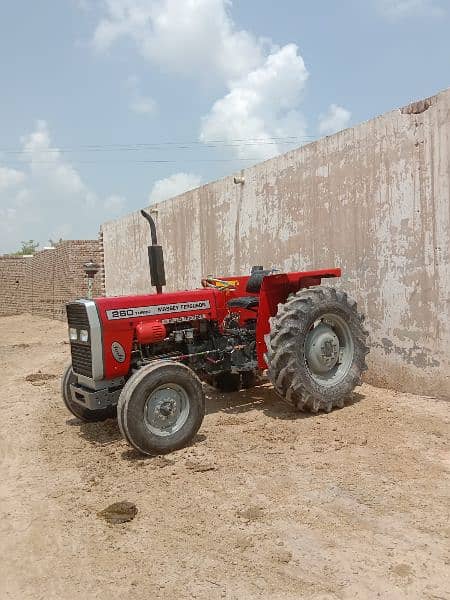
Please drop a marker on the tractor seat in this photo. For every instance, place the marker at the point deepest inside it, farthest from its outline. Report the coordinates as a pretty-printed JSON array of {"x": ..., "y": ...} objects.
[
  {"x": 247, "y": 302},
  {"x": 253, "y": 286}
]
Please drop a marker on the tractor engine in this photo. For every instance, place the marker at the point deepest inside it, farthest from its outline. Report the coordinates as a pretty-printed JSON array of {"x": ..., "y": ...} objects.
[{"x": 200, "y": 344}]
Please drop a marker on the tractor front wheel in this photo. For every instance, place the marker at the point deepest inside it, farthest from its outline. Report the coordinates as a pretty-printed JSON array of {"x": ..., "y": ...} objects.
[
  {"x": 316, "y": 349},
  {"x": 161, "y": 407}
]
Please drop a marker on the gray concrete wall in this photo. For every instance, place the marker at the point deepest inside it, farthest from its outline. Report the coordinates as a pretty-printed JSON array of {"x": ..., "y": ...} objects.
[{"x": 373, "y": 200}]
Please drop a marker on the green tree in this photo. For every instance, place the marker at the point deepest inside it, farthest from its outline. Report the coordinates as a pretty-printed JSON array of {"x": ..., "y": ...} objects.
[{"x": 28, "y": 247}]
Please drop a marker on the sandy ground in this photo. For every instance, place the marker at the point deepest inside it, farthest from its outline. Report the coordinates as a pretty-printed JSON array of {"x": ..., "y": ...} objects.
[{"x": 264, "y": 504}]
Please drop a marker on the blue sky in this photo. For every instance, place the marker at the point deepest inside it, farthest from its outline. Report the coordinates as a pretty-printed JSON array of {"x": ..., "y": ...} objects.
[{"x": 108, "y": 105}]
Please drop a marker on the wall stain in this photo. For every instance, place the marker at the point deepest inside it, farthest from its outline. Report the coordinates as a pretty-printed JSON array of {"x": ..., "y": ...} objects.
[
  {"x": 416, "y": 108},
  {"x": 418, "y": 356}
]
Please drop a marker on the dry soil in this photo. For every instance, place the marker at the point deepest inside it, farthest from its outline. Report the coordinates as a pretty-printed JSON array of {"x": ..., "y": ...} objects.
[{"x": 264, "y": 504}]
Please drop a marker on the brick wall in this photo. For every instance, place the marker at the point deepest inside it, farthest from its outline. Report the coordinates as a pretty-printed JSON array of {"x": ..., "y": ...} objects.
[
  {"x": 44, "y": 283},
  {"x": 14, "y": 284}
]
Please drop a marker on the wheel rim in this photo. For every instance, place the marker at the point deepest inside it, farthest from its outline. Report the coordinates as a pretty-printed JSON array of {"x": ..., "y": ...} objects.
[
  {"x": 166, "y": 409},
  {"x": 329, "y": 350}
]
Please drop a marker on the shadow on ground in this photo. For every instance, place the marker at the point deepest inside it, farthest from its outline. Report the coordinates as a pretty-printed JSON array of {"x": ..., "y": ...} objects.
[
  {"x": 261, "y": 397},
  {"x": 104, "y": 433},
  {"x": 133, "y": 455}
]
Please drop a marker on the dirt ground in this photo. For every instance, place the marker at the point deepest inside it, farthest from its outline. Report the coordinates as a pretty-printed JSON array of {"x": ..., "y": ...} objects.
[{"x": 265, "y": 503}]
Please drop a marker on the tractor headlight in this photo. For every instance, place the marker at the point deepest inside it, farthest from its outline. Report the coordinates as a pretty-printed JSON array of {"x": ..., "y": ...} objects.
[
  {"x": 73, "y": 334},
  {"x": 84, "y": 335}
]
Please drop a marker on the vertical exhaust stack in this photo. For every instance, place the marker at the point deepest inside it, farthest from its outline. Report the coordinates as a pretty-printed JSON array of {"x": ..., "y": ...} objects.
[{"x": 155, "y": 257}]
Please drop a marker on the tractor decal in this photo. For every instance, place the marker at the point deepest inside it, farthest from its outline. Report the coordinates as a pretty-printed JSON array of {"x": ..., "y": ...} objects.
[
  {"x": 184, "y": 319},
  {"x": 157, "y": 309},
  {"x": 118, "y": 352}
]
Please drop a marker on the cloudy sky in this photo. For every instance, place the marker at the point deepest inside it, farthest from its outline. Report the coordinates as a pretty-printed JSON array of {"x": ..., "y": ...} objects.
[{"x": 109, "y": 105}]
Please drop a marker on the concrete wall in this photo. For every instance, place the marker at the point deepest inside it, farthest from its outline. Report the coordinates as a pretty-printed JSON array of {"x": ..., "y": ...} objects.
[
  {"x": 373, "y": 200},
  {"x": 44, "y": 283}
]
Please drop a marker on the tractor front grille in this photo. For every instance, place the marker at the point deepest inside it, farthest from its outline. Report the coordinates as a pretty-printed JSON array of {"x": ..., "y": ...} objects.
[
  {"x": 77, "y": 315},
  {"x": 81, "y": 351},
  {"x": 81, "y": 359}
]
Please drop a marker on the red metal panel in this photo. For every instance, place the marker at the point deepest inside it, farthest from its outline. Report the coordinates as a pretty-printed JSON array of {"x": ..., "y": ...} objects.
[{"x": 120, "y": 315}]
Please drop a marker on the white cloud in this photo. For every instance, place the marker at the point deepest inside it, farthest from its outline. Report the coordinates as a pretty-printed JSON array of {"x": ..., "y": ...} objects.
[
  {"x": 192, "y": 37},
  {"x": 261, "y": 106},
  {"x": 336, "y": 119},
  {"x": 397, "y": 9},
  {"x": 10, "y": 178},
  {"x": 114, "y": 204},
  {"x": 49, "y": 170},
  {"x": 262, "y": 82},
  {"x": 176, "y": 184},
  {"x": 139, "y": 103},
  {"x": 47, "y": 198},
  {"x": 142, "y": 105},
  {"x": 84, "y": 5},
  {"x": 61, "y": 231}
]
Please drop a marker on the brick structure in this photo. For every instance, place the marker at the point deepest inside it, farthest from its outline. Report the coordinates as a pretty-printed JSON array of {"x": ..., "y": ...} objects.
[
  {"x": 42, "y": 284},
  {"x": 15, "y": 284}
]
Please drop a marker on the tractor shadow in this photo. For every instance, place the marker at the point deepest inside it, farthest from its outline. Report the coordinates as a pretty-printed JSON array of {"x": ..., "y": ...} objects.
[
  {"x": 107, "y": 433},
  {"x": 261, "y": 397},
  {"x": 104, "y": 433},
  {"x": 161, "y": 460}
]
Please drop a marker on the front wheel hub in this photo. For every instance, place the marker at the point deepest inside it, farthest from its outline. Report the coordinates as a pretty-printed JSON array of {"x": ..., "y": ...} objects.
[{"x": 166, "y": 409}]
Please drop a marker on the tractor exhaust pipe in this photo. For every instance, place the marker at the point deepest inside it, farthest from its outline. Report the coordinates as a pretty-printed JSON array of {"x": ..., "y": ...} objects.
[{"x": 155, "y": 257}]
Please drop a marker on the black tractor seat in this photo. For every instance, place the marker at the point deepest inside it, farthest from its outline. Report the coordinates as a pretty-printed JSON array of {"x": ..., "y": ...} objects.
[
  {"x": 247, "y": 302},
  {"x": 253, "y": 286}
]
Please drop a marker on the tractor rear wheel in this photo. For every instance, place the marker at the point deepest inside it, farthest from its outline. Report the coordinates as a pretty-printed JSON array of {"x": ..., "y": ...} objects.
[
  {"x": 161, "y": 407},
  {"x": 84, "y": 414},
  {"x": 316, "y": 349}
]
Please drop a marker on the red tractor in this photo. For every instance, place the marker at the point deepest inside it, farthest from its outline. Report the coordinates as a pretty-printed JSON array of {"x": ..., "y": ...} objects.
[{"x": 145, "y": 357}]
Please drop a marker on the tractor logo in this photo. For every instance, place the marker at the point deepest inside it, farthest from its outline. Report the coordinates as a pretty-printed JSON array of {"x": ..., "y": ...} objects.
[{"x": 118, "y": 352}]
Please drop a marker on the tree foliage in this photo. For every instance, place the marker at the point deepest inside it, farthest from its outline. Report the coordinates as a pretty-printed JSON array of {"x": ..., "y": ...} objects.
[{"x": 28, "y": 247}]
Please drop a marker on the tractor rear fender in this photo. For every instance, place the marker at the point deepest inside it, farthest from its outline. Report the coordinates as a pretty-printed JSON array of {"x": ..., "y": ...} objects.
[{"x": 275, "y": 290}]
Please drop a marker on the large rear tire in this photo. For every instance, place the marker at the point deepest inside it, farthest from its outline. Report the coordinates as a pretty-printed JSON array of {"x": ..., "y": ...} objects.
[
  {"x": 161, "y": 407},
  {"x": 316, "y": 349},
  {"x": 84, "y": 414}
]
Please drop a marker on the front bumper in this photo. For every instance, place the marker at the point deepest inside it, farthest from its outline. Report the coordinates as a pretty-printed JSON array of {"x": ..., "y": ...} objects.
[{"x": 94, "y": 399}]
